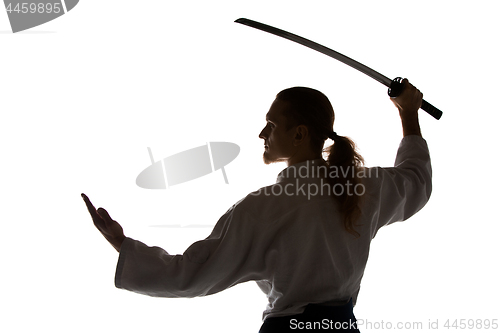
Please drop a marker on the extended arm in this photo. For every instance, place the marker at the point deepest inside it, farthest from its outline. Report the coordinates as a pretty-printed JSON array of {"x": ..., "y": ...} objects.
[
  {"x": 227, "y": 257},
  {"x": 230, "y": 255}
]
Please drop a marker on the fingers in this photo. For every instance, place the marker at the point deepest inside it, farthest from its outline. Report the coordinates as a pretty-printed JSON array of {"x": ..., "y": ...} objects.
[
  {"x": 410, "y": 97},
  {"x": 110, "y": 229},
  {"x": 411, "y": 88},
  {"x": 99, "y": 222},
  {"x": 100, "y": 213},
  {"x": 90, "y": 207},
  {"x": 407, "y": 86},
  {"x": 104, "y": 215}
]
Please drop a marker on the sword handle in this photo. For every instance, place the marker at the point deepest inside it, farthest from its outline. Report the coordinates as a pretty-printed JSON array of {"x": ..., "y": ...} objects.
[
  {"x": 431, "y": 109},
  {"x": 397, "y": 87}
]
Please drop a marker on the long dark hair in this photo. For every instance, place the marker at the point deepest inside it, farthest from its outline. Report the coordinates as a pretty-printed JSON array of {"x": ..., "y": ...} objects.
[{"x": 312, "y": 108}]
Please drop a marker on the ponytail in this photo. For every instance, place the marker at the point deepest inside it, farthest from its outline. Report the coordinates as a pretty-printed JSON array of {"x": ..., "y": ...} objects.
[{"x": 344, "y": 156}]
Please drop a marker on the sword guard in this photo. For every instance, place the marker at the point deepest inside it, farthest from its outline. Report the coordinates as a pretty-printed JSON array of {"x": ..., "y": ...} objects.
[{"x": 396, "y": 87}]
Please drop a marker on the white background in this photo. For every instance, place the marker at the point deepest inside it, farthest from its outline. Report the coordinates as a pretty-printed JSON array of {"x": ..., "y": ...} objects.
[{"x": 83, "y": 96}]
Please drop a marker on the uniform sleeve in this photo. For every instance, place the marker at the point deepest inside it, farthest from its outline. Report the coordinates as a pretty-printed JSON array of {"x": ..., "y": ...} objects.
[
  {"x": 399, "y": 192},
  {"x": 230, "y": 255}
]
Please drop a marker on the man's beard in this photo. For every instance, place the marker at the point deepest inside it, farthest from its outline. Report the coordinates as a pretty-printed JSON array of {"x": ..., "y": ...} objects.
[
  {"x": 266, "y": 159},
  {"x": 269, "y": 160}
]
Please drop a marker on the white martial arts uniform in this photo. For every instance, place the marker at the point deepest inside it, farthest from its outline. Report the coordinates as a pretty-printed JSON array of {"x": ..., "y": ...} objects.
[{"x": 293, "y": 245}]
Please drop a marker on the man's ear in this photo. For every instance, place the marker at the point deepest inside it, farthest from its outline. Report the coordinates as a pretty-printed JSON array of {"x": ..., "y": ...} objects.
[{"x": 301, "y": 133}]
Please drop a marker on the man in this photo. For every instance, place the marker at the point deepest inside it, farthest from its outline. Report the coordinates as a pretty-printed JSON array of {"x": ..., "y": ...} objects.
[{"x": 305, "y": 240}]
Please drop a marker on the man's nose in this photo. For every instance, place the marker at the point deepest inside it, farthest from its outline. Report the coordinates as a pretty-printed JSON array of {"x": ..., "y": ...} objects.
[{"x": 261, "y": 135}]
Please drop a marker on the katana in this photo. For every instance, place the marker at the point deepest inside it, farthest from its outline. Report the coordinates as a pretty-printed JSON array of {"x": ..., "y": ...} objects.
[{"x": 395, "y": 86}]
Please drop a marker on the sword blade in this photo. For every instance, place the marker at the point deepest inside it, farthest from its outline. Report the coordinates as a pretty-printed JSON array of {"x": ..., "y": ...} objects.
[
  {"x": 392, "y": 84},
  {"x": 318, "y": 47}
]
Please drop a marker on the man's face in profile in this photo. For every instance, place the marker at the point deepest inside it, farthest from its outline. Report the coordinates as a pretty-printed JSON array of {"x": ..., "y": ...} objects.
[{"x": 278, "y": 142}]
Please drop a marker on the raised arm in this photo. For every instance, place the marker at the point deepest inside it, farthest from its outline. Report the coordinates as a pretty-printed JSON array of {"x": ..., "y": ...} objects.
[{"x": 401, "y": 191}]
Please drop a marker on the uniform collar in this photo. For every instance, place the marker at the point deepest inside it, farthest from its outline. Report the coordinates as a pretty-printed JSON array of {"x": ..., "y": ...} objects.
[{"x": 308, "y": 169}]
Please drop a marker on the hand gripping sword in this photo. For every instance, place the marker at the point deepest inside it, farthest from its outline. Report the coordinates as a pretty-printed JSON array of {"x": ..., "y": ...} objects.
[{"x": 395, "y": 86}]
